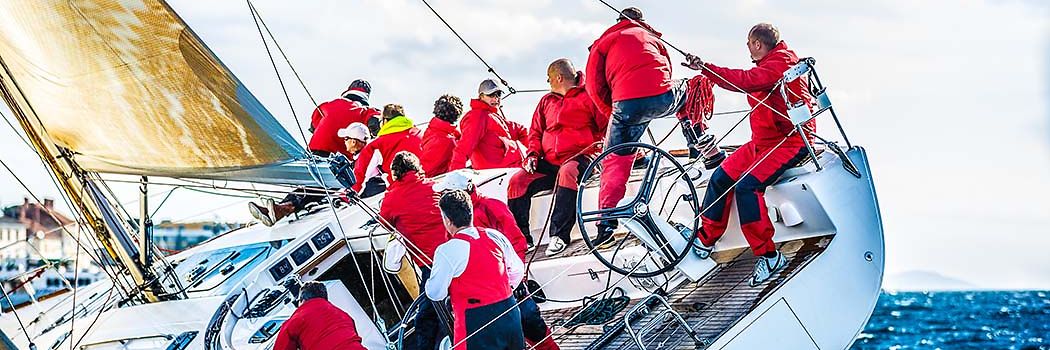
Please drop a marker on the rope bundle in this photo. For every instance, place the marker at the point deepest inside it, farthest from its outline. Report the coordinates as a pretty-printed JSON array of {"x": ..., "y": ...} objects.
[{"x": 699, "y": 102}]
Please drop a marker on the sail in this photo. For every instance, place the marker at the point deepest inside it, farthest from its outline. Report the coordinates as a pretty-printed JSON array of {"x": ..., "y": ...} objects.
[{"x": 127, "y": 87}]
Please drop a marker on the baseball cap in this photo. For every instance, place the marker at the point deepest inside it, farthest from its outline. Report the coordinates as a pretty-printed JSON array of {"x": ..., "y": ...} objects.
[
  {"x": 355, "y": 131},
  {"x": 359, "y": 87},
  {"x": 456, "y": 180},
  {"x": 632, "y": 13},
  {"x": 489, "y": 87}
]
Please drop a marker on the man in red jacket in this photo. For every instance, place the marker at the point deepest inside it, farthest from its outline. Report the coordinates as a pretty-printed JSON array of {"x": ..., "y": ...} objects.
[
  {"x": 317, "y": 324},
  {"x": 629, "y": 78},
  {"x": 772, "y": 138},
  {"x": 439, "y": 140},
  {"x": 565, "y": 125},
  {"x": 489, "y": 140},
  {"x": 411, "y": 206},
  {"x": 397, "y": 134},
  {"x": 329, "y": 117}
]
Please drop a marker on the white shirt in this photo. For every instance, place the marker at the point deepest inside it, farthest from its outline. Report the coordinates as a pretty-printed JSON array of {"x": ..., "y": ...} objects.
[{"x": 450, "y": 260}]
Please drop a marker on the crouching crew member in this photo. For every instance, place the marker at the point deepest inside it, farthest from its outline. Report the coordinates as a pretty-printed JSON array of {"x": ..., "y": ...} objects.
[
  {"x": 769, "y": 127},
  {"x": 494, "y": 214},
  {"x": 396, "y": 134},
  {"x": 439, "y": 140},
  {"x": 331, "y": 116},
  {"x": 411, "y": 206},
  {"x": 477, "y": 269},
  {"x": 565, "y": 125},
  {"x": 317, "y": 324},
  {"x": 489, "y": 140}
]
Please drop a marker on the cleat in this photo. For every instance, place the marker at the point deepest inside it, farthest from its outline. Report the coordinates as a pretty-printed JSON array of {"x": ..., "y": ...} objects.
[
  {"x": 556, "y": 246},
  {"x": 260, "y": 213},
  {"x": 766, "y": 267}
]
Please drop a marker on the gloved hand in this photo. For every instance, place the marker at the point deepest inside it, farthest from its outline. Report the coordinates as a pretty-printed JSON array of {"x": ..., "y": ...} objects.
[
  {"x": 693, "y": 62},
  {"x": 530, "y": 163}
]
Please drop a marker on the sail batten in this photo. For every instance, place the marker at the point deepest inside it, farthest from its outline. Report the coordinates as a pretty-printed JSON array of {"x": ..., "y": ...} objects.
[{"x": 128, "y": 88}]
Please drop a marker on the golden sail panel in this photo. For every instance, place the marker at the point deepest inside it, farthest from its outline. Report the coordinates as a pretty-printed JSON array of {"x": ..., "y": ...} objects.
[{"x": 129, "y": 88}]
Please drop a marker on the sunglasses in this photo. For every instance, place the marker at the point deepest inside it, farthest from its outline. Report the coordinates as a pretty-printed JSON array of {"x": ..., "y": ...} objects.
[{"x": 496, "y": 94}]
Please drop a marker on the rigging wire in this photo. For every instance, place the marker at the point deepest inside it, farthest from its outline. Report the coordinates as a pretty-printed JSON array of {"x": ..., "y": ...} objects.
[{"x": 277, "y": 72}]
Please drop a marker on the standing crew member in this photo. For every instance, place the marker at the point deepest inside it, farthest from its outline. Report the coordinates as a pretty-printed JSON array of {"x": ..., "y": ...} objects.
[
  {"x": 439, "y": 140},
  {"x": 476, "y": 269},
  {"x": 411, "y": 206},
  {"x": 331, "y": 116},
  {"x": 494, "y": 214},
  {"x": 397, "y": 134},
  {"x": 768, "y": 128},
  {"x": 565, "y": 124},
  {"x": 489, "y": 140},
  {"x": 317, "y": 324}
]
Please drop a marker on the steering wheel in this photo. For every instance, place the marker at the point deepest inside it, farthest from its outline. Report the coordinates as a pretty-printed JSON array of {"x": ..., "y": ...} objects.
[{"x": 641, "y": 209}]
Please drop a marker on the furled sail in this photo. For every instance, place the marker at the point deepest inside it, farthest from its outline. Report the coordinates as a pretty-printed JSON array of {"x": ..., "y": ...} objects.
[{"x": 129, "y": 88}]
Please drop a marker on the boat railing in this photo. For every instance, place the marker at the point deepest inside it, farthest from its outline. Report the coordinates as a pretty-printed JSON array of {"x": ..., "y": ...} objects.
[{"x": 668, "y": 314}]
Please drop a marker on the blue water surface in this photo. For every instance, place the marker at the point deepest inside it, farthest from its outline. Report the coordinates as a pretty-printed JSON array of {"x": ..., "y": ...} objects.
[{"x": 959, "y": 320}]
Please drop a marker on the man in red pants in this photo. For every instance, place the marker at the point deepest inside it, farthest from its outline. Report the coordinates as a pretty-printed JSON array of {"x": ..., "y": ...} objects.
[{"x": 774, "y": 148}]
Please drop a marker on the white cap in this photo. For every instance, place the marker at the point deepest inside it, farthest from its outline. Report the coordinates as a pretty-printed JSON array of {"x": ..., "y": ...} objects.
[
  {"x": 355, "y": 131},
  {"x": 456, "y": 180}
]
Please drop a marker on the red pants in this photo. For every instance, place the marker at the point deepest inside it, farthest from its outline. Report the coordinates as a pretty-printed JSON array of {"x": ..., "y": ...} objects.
[
  {"x": 523, "y": 186},
  {"x": 749, "y": 193}
]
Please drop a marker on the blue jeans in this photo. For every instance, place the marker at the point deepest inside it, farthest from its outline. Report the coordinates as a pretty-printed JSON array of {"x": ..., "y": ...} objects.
[{"x": 631, "y": 117}]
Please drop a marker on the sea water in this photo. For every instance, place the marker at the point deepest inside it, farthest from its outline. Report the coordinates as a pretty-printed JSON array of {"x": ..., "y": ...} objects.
[{"x": 959, "y": 320}]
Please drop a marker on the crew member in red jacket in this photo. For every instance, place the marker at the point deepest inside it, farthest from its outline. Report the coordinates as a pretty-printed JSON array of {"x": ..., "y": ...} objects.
[
  {"x": 411, "y": 206},
  {"x": 317, "y": 324},
  {"x": 489, "y": 140},
  {"x": 397, "y": 134},
  {"x": 629, "y": 78},
  {"x": 769, "y": 127},
  {"x": 331, "y": 116},
  {"x": 564, "y": 128},
  {"x": 494, "y": 214},
  {"x": 439, "y": 140}
]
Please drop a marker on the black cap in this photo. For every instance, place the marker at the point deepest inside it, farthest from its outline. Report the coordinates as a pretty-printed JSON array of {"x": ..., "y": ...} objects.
[{"x": 632, "y": 13}]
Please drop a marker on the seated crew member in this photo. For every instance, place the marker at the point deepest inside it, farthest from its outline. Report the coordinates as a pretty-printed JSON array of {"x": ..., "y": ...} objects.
[
  {"x": 769, "y": 126},
  {"x": 269, "y": 212},
  {"x": 439, "y": 140},
  {"x": 494, "y": 214},
  {"x": 396, "y": 134},
  {"x": 489, "y": 140},
  {"x": 317, "y": 324},
  {"x": 411, "y": 206},
  {"x": 629, "y": 78},
  {"x": 329, "y": 117},
  {"x": 477, "y": 269},
  {"x": 564, "y": 127}
]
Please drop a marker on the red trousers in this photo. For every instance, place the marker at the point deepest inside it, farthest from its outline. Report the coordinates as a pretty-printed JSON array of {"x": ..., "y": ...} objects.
[{"x": 749, "y": 193}]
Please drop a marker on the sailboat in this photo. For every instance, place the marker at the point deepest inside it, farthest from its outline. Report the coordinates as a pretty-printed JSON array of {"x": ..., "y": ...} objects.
[{"x": 103, "y": 87}]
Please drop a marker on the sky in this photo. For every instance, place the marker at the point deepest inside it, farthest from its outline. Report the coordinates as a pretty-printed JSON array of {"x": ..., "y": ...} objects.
[{"x": 951, "y": 99}]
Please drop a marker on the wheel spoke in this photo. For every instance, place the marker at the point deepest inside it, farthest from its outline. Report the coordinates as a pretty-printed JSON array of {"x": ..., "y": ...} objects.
[{"x": 645, "y": 192}]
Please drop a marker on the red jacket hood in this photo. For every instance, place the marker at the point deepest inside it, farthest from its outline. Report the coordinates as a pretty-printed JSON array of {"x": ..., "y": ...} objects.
[
  {"x": 624, "y": 24},
  {"x": 781, "y": 48},
  {"x": 443, "y": 126},
  {"x": 479, "y": 104}
]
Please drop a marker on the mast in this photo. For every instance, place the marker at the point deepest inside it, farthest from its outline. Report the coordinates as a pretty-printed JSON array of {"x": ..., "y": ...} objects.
[{"x": 85, "y": 195}]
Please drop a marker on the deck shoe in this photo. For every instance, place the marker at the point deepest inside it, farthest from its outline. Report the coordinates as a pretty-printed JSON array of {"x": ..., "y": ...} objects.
[
  {"x": 260, "y": 213},
  {"x": 766, "y": 267},
  {"x": 702, "y": 250},
  {"x": 556, "y": 246},
  {"x": 604, "y": 238}
]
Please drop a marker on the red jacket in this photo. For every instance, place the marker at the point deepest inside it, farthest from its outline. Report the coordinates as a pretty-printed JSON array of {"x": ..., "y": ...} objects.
[
  {"x": 439, "y": 140},
  {"x": 411, "y": 206},
  {"x": 627, "y": 62},
  {"x": 333, "y": 115},
  {"x": 494, "y": 214},
  {"x": 489, "y": 140},
  {"x": 564, "y": 125},
  {"x": 392, "y": 139},
  {"x": 318, "y": 325},
  {"x": 767, "y": 126}
]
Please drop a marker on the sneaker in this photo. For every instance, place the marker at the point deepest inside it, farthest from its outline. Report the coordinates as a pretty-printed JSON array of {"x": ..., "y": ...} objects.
[
  {"x": 766, "y": 267},
  {"x": 260, "y": 213},
  {"x": 702, "y": 250},
  {"x": 529, "y": 247},
  {"x": 604, "y": 238},
  {"x": 271, "y": 213},
  {"x": 556, "y": 246}
]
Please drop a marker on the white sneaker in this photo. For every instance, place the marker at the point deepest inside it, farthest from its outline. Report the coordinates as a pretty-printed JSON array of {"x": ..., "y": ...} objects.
[
  {"x": 766, "y": 267},
  {"x": 555, "y": 246},
  {"x": 260, "y": 213},
  {"x": 702, "y": 250},
  {"x": 268, "y": 203}
]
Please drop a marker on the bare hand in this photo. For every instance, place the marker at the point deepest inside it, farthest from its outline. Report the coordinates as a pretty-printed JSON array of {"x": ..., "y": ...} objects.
[{"x": 693, "y": 62}]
